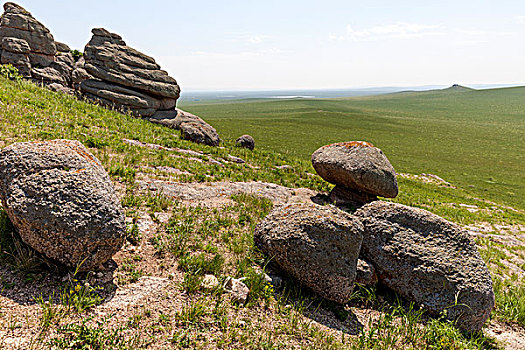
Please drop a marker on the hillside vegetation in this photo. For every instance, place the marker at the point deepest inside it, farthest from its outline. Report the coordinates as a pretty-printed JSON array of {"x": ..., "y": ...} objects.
[
  {"x": 472, "y": 138},
  {"x": 152, "y": 296}
]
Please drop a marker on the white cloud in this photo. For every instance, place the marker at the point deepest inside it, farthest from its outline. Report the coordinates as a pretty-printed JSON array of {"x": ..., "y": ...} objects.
[
  {"x": 388, "y": 31},
  {"x": 521, "y": 19}
]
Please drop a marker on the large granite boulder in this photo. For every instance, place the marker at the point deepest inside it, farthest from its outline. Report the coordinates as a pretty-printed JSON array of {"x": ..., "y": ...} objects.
[
  {"x": 115, "y": 74},
  {"x": 29, "y": 46},
  {"x": 62, "y": 202},
  {"x": 359, "y": 170},
  {"x": 429, "y": 261},
  {"x": 317, "y": 245}
]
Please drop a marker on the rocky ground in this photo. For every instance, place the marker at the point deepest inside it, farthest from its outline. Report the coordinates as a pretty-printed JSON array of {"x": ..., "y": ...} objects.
[{"x": 149, "y": 300}]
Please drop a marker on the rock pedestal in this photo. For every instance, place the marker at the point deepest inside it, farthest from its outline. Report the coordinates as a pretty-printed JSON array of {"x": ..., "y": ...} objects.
[{"x": 360, "y": 171}]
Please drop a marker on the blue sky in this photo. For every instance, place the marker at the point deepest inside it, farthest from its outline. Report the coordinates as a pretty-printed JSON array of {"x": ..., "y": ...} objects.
[{"x": 258, "y": 45}]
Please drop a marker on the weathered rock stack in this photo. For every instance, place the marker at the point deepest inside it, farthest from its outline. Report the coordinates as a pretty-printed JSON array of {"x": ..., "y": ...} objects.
[
  {"x": 29, "y": 46},
  {"x": 115, "y": 74},
  {"x": 62, "y": 202},
  {"x": 419, "y": 255},
  {"x": 360, "y": 171}
]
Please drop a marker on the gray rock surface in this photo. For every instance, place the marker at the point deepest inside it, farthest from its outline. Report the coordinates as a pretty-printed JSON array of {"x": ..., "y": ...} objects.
[
  {"x": 428, "y": 260},
  {"x": 366, "y": 273},
  {"x": 29, "y": 46},
  {"x": 108, "y": 58},
  {"x": 317, "y": 245},
  {"x": 343, "y": 196},
  {"x": 62, "y": 202},
  {"x": 245, "y": 141},
  {"x": 192, "y": 127},
  {"x": 356, "y": 165}
]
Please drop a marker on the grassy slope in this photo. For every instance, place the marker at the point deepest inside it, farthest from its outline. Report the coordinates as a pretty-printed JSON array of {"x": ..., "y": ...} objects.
[
  {"x": 470, "y": 138},
  {"x": 31, "y": 113}
]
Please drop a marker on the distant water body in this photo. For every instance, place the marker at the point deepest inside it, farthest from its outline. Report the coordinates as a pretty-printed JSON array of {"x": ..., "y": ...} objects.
[{"x": 207, "y": 96}]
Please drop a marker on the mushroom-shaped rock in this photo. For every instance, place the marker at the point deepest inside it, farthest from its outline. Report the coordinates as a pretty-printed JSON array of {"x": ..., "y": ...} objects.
[
  {"x": 317, "y": 245},
  {"x": 358, "y": 166},
  {"x": 429, "y": 261},
  {"x": 245, "y": 141},
  {"x": 62, "y": 202}
]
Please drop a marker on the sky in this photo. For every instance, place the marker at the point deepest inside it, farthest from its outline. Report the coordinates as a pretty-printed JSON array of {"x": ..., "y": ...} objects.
[{"x": 329, "y": 44}]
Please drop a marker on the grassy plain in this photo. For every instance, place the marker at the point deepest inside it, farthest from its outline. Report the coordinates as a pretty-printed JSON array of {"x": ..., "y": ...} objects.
[
  {"x": 472, "y": 138},
  {"x": 49, "y": 309}
]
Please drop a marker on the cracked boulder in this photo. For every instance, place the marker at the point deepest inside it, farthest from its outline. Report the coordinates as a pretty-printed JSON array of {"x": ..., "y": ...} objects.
[
  {"x": 62, "y": 202},
  {"x": 317, "y": 245},
  {"x": 428, "y": 260}
]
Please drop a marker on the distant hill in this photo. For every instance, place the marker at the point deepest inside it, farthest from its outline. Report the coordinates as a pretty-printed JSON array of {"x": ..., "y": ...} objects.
[{"x": 458, "y": 88}]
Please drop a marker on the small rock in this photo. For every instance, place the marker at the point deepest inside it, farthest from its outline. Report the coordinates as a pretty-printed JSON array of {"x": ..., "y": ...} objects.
[
  {"x": 366, "y": 273},
  {"x": 238, "y": 289},
  {"x": 235, "y": 159},
  {"x": 245, "y": 141},
  {"x": 210, "y": 282}
]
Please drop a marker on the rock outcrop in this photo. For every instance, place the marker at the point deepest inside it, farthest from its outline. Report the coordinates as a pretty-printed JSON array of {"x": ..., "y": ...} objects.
[
  {"x": 117, "y": 75},
  {"x": 317, "y": 245},
  {"x": 245, "y": 141},
  {"x": 29, "y": 46},
  {"x": 359, "y": 170},
  {"x": 62, "y": 202},
  {"x": 192, "y": 127},
  {"x": 428, "y": 260}
]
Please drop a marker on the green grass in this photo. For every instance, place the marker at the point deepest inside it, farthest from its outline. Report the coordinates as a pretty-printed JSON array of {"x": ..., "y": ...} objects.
[
  {"x": 470, "y": 138},
  {"x": 200, "y": 240}
]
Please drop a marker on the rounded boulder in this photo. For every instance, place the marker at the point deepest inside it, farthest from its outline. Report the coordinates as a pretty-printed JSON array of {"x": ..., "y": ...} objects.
[
  {"x": 62, "y": 202},
  {"x": 356, "y": 165},
  {"x": 317, "y": 245}
]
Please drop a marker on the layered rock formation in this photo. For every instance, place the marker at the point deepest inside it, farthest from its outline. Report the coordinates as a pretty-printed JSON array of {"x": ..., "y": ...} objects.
[
  {"x": 117, "y": 75},
  {"x": 29, "y": 46},
  {"x": 62, "y": 202}
]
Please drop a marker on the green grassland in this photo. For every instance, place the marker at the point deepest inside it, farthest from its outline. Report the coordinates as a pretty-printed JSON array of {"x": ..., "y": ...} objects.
[
  {"x": 472, "y": 138},
  {"x": 198, "y": 240}
]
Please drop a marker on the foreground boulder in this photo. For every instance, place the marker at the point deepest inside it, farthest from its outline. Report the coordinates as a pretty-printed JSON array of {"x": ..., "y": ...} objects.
[
  {"x": 245, "y": 141},
  {"x": 117, "y": 75},
  {"x": 429, "y": 261},
  {"x": 62, "y": 202},
  {"x": 29, "y": 46},
  {"x": 317, "y": 245},
  {"x": 360, "y": 171}
]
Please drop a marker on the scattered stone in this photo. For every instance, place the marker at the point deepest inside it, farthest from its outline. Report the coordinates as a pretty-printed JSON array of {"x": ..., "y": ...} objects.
[
  {"x": 366, "y": 273},
  {"x": 428, "y": 260},
  {"x": 357, "y": 166},
  {"x": 284, "y": 167},
  {"x": 245, "y": 141},
  {"x": 62, "y": 202},
  {"x": 235, "y": 159},
  {"x": 210, "y": 282},
  {"x": 317, "y": 245},
  {"x": 237, "y": 289}
]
